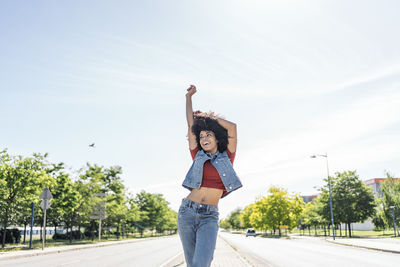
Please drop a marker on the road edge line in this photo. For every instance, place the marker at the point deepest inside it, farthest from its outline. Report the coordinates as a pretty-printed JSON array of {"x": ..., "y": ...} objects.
[{"x": 172, "y": 259}]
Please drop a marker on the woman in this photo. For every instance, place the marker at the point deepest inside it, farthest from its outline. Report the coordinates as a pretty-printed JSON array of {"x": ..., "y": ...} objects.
[{"x": 212, "y": 143}]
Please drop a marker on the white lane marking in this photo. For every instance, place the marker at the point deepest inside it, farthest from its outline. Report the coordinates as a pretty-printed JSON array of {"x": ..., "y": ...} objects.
[{"x": 171, "y": 259}]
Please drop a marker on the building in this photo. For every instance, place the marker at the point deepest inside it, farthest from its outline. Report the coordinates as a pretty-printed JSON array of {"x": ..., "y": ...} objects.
[
  {"x": 375, "y": 185},
  {"x": 307, "y": 199}
]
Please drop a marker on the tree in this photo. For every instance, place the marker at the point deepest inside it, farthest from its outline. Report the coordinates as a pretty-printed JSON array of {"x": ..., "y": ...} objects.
[
  {"x": 116, "y": 208},
  {"x": 225, "y": 224},
  {"x": 232, "y": 221},
  {"x": 22, "y": 180},
  {"x": 245, "y": 216},
  {"x": 278, "y": 208},
  {"x": 352, "y": 200},
  {"x": 153, "y": 209},
  {"x": 61, "y": 191},
  {"x": 390, "y": 197},
  {"x": 296, "y": 209},
  {"x": 259, "y": 216},
  {"x": 89, "y": 183},
  {"x": 311, "y": 215}
]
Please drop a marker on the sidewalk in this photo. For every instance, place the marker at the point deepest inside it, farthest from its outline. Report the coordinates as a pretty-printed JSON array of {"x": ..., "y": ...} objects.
[
  {"x": 224, "y": 255},
  {"x": 381, "y": 244}
]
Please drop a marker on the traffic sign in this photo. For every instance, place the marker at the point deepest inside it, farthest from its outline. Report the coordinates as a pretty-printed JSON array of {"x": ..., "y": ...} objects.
[
  {"x": 95, "y": 217},
  {"x": 101, "y": 203},
  {"x": 46, "y": 194},
  {"x": 100, "y": 194},
  {"x": 45, "y": 204}
]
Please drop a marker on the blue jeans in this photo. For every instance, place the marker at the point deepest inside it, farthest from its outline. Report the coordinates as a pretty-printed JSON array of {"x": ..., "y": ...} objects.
[{"x": 198, "y": 229}]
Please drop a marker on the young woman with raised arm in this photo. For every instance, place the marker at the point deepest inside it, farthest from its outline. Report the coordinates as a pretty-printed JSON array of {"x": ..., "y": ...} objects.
[{"x": 212, "y": 144}]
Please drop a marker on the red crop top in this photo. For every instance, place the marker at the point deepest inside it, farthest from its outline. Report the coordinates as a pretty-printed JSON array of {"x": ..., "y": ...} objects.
[{"x": 211, "y": 176}]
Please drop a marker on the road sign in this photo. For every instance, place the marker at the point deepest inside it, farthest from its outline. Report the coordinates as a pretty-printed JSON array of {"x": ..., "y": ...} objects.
[
  {"x": 45, "y": 204},
  {"x": 101, "y": 204},
  {"x": 46, "y": 194},
  {"x": 96, "y": 217},
  {"x": 100, "y": 194}
]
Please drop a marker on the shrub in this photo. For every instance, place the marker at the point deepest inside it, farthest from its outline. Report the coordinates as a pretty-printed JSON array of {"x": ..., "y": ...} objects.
[
  {"x": 12, "y": 236},
  {"x": 75, "y": 235}
]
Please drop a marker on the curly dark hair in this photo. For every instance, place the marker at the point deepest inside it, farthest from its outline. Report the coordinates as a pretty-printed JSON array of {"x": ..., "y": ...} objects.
[{"x": 202, "y": 123}]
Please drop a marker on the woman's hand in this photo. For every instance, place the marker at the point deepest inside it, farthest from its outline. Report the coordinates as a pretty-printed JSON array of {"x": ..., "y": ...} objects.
[
  {"x": 191, "y": 90},
  {"x": 210, "y": 115}
]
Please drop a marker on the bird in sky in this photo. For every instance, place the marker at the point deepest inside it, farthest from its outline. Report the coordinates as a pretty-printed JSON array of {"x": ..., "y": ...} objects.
[{"x": 91, "y": 145}]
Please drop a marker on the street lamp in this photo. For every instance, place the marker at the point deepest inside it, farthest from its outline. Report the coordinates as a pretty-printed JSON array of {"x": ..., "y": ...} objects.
[
  {"x": 330, "y": 195},
  {"x": 394, "y": 225}
]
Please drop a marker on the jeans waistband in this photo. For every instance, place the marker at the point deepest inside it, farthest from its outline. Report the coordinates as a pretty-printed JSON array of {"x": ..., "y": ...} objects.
[{"x": 198, "y": 206}]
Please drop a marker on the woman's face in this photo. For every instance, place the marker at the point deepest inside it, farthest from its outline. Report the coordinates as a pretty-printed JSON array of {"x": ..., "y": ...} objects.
[{"x": 208, "y": 142}]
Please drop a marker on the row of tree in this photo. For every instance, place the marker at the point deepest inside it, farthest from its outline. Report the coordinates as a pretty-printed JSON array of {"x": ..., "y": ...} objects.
[
  {"x": 352, "y": 200},
  {"x": 272, "y": 212},
  {"x": 75, "y": 196}
]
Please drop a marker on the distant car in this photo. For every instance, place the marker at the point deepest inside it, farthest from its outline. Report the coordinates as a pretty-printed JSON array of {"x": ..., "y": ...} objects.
[{"x": 250, "y": 232}]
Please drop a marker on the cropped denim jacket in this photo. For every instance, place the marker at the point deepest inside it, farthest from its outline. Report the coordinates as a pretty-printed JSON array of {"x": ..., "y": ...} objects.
[{"x": 223, "y": 165}]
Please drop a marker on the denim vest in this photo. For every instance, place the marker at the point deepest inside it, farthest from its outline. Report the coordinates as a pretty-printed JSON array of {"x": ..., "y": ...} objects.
[{"x": 221, "y": 162}]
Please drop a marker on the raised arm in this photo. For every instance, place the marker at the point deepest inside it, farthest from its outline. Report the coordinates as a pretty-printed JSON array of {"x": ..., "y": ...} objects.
[
  {"x": 189, "y": 116},
  {"x": 232, "y": 133}
]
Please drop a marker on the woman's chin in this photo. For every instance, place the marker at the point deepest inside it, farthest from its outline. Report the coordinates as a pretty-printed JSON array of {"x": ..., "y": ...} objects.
[{"x": 208, "y": 150}]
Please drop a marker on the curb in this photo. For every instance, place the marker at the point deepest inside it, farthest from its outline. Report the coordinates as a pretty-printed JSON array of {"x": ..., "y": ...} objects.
[
  {"x": 358, "y": 246},
  {"x": 176, "y": 260},
  {"x": 79, "y": 247}
]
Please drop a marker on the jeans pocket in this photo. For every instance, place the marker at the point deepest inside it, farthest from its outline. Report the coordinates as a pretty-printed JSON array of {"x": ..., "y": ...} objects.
[
  {"x": 183, "y": 209},
  {"x": 215, "y": 214}
]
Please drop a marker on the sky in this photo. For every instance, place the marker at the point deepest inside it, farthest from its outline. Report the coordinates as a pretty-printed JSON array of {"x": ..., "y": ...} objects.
[{"x": 297, "y": 77}]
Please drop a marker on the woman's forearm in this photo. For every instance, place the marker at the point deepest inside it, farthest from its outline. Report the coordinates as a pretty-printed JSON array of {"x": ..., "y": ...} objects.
[
  {"x": 189, "y": 110},
  {"x": 228, "y": 125}
]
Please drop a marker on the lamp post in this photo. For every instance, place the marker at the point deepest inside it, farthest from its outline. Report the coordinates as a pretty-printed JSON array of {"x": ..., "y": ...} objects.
[
  {"x": 330, "y": 195},
  {"x": 394, "y": 223}
]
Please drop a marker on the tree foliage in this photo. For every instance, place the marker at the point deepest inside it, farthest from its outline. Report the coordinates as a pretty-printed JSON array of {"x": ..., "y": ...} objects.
[
  {"x": 21, "y": 179},
  {"x": 352, "y": 200},
  {"x": 270, "y": 212},
  {"x": 388, "y": 203},
  {"x": 75, "y": 197},
  {"x": 232, "y": 221}
]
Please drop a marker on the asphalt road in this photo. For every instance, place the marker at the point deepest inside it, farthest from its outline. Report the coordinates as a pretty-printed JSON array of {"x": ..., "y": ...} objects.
[
  {"x": 309, "y": 252},
  {"x": 145, "y": 253}
]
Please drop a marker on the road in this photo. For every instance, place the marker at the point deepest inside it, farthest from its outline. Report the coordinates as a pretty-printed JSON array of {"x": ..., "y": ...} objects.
[
  {"x": 309, "y": 252},
  {"x": 153, "y": 252},
  {"x": 259, "y": 251}
]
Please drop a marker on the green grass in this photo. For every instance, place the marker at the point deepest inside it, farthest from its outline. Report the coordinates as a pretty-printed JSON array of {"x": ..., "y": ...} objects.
[{"x": 381, "y": 234}]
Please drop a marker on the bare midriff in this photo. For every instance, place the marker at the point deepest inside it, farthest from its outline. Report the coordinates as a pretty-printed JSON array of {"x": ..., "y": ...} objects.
[{"x": 205, "y": 195}]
